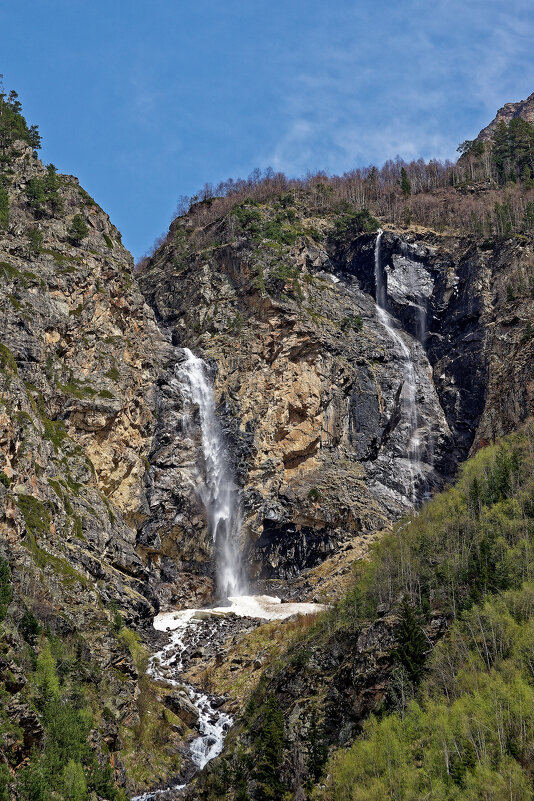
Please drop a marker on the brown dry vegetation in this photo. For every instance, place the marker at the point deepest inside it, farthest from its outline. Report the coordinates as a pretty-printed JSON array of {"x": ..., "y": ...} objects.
[
  {"x": 251, "y": 653},
  {"x": 468, "y": 196}
]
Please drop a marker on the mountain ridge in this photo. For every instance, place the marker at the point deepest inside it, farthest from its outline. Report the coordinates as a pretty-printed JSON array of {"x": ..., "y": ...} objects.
[
  {"x": 276, "y": 285},
  {"x": 521, "y": 108}
]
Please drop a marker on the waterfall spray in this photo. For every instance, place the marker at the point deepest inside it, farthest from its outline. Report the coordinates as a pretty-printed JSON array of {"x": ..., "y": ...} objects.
[
  {"x": 408, "y": 392},
  {"x": 218, "y": 490}
]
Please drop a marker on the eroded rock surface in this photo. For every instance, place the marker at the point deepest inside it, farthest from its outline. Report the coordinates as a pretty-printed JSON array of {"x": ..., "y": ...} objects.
[{"x": 310, "y": 384}]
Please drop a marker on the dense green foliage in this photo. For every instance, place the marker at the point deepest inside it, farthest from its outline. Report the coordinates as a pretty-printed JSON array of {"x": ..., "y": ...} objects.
[
  {"x": 35, "y": 238},
  {"x": 470, "y": 733},
  {"x": 268, "y": 750},
  {"x": 510, "y": 152},
  {"x": 78, "y": 229},
  {"x": 467, "y": 732},
  {"x": 43, "y": 193},
  {"x": 280, "y": 226},
  {"x": 405, "y": 184},
  {"x": 473, "y": 539},
  {"x": 513, "y": 150},
  {"x": 351, "y": 223},
  {"x": 65, "y": 767},
  {"x": 13, "y": 126},
  {"x": 413, "y": 645}
]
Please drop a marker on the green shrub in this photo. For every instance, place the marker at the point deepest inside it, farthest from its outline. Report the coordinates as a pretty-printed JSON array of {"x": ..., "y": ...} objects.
[
  {"x": 352, "y": 223},
  {"x": 4, "y": 206},
  {"x": 268, "y": 751},
  {"x": 43, "y": 193},
  {"x": 51, "y": 183},
  {"x": 32, "y": 783},
  {"x": 352, "y": 322},
  {"x": 5, "y": 587},
  {"x": 54, "y": 431},
  {"x": 285, "y": 277},
  {"x": 47, "y": 678},
  {"x": 412, "y": 644},
  {"x": 35, "y": 513},
  {"x": 405, "y": 184},
  {"x": 35, "y": 192},
  {"x": 5, "y": 782},
  {"x": 73, "y": 781},
  {"x": 35, "y": 238},
  {"x": 13, "y": 126},
  {"x": 29, "y": 626},
  {"x": 78, "y": 229},
  {"x": 7, "y": 360}
]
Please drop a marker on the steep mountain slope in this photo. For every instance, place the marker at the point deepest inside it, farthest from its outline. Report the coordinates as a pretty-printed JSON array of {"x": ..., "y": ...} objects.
[
  {"x": 79, "y": 358},
  {"x": 353, "y": 369},
  {"x": 312, "y": 385},
  {"x": 460, "y": 566}
]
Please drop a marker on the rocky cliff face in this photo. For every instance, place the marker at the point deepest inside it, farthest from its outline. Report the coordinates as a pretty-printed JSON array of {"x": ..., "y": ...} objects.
[
  {"x": 80, "y": 354},
  {"x": 339, "y": 415},
  {"x": 310, "y": 383},
  {"x": 80, "y": 357},
  {"x": 523, "y": 108}
]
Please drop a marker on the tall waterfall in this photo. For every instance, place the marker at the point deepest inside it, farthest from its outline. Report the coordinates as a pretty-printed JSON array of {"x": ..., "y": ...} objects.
[
  {"x": 218, "y": 490},
  {"x": 409, "y": 387}
]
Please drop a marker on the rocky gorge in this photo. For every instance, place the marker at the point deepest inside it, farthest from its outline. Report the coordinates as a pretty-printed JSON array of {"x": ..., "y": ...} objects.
[
  {"x": 310, "y": 383},
  {"x": 353, "y": 364}
]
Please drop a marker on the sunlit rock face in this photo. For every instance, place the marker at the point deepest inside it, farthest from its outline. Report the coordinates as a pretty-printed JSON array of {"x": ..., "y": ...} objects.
[
  {"x": 81, "y": 353},
  {"x": 522, "y": 108},
  {"x": 310, "y": 385}
]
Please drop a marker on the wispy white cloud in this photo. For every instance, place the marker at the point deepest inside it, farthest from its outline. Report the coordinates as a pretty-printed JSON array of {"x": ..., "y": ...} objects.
[{"x": 377, "y": 89}]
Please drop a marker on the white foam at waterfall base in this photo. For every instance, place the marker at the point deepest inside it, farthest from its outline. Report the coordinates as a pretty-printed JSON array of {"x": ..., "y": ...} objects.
[{"x": 261, "y": 607}]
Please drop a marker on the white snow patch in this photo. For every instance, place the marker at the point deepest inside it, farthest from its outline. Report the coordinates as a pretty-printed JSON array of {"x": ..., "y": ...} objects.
[{"x": 262, "y": 607}]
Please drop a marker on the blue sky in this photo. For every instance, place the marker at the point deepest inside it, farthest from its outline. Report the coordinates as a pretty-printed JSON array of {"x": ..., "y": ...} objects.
[{"x": 145, "y": 101}]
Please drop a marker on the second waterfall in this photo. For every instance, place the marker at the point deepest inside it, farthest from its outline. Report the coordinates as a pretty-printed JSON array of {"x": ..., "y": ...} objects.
[
  {"x": 217, "y": 486},
  {"x": 411, "y": 421}
]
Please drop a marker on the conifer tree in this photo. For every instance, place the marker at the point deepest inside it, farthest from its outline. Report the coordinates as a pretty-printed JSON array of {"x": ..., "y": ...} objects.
[
  {"x": 405, "y": 183},
  {"x": 78, "y": 229},
  {"x": 412, "y": 647},
  {"x": 4, "y": 206}
]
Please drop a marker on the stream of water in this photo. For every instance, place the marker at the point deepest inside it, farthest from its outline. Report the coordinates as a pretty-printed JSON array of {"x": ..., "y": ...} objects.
[{"x": 186, "y": 628}]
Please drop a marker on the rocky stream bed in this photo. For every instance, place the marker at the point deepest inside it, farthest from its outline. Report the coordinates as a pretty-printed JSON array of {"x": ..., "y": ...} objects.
[{"x": 189, "y": 636}]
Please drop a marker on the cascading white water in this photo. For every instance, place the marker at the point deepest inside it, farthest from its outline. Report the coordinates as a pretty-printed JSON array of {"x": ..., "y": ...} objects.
[
  {"x": 218, "y": 491},
  {"x": 219, "y": 496},
  {"x": 409, "y": 387}
]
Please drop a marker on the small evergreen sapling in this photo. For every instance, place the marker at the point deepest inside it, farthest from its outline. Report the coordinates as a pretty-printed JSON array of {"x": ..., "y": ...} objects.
[{"x": 78, "y": 229}]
